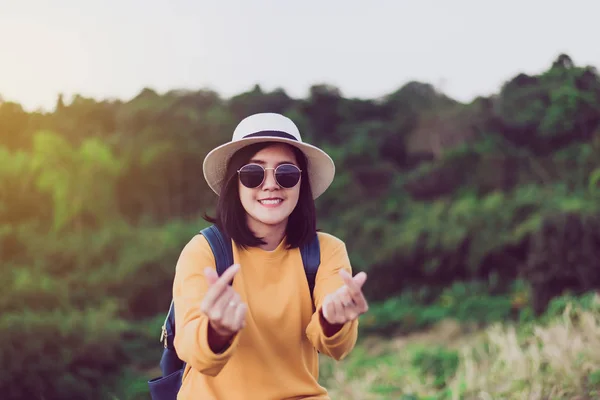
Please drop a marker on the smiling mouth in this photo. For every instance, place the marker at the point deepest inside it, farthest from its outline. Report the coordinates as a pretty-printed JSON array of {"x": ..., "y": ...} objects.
[{"x": 270, "y": 202}]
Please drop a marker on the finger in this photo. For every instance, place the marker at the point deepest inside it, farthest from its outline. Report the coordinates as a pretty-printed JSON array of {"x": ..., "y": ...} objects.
[
  {"x": 217, "y": 311},
  {"x": 359, "y": 303},
  {"x": 228, "y": 275},
  {"x": 211, "y": 275},
  {"x": 354, "y": 287},
  {"x": 229, "y": 309},
  {"x": 345, "y": 297},
  {"x": 338, "y": 311},
  {"x": 353, "y": 310},
  {"x": 240, "y": 316},
  {"x": 326, "y": 308},
  {"x": 350, "y": 313},
  {"x": 360, "y": 279},
  {"x": 331, "y": 308},
  {"x": 218, "y": 287}
]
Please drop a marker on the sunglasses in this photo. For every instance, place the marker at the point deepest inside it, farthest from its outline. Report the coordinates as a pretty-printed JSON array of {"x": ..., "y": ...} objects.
[{"x": 253, "y": 175}]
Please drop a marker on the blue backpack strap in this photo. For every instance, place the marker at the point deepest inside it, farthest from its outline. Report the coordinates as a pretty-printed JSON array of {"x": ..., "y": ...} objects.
[
  {"x": 167, "y": 386},
  {"x": 221, "y": 247},
  {"x": 223, "y": 253},
  {"x": 311, "y": 258}
]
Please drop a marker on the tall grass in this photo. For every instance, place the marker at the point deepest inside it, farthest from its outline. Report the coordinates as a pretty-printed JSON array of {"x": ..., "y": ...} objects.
[
  {"x": 558, "y": 361},
  {"x": 553, "y": 358}
]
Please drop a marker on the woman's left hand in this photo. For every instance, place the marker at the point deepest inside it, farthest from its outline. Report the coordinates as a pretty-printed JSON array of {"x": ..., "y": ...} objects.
[{"x": 346, "y": 303}]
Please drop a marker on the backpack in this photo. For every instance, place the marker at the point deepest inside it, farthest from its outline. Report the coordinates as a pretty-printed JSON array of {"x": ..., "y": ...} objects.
[{"x": 167, "y": 386}]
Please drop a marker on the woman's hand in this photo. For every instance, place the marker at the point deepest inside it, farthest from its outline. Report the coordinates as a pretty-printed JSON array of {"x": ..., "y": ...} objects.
[
  {"x": 224, "y": 308},
  {"x": 347, "y": 303}
]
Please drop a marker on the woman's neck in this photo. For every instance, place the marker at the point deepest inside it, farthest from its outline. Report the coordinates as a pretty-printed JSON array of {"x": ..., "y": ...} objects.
[{"x": 271, "y": 234}]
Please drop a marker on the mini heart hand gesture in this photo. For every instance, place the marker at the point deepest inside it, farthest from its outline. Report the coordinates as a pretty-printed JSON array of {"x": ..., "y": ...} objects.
[
  {"x": 346, "y": 303},
  {"x": 222, "y": 304}
]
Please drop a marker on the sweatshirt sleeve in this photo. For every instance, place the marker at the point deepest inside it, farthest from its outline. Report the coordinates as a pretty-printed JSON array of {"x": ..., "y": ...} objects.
[
  {"x": 334, "y": 257},
  {"x": 191, "y": 324}
]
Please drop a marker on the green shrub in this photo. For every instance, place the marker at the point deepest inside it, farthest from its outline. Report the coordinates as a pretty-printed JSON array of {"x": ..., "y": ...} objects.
[
  {"x": 436, "y": 362},
  {"x": 62, "y": 354},
  {"x": 466, "y": 302},
  {"x": 563, "y": 255}
]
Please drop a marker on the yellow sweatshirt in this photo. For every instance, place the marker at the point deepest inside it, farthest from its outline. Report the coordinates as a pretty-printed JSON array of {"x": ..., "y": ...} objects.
[{"x": 275, "y": 356}]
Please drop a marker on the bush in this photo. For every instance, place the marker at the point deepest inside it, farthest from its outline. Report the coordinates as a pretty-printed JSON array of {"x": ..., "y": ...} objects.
[
  {"x": 64, "y": 301},
  {"x": 563, "y": 255},
  {"x": 62, "y": 354},
  {"x": 469, "y": 303},
  {"x": 437, "y": 362}
]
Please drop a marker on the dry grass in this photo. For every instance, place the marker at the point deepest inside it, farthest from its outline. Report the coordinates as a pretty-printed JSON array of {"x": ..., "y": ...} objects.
[
  {"x": 553, "y": 362},
  {"x": 559, "y": 360}
]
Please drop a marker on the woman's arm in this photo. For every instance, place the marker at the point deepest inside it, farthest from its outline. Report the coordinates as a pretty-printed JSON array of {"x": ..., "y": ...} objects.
[
  {"x": 334, "y": 340},
  {"x": 195, "y": 341}
]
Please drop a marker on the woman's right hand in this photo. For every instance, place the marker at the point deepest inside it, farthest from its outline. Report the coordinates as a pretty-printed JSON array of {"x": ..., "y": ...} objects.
[{"x": 223, "y": 306}]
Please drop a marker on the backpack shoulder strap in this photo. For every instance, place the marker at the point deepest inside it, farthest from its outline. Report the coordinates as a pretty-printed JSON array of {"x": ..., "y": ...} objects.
[
  {"x": 221, "y": 247},
  {"x": 311, "y": 258}
]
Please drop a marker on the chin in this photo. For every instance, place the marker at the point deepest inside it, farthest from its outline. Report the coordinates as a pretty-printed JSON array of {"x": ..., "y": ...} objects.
[{"x": 270, "y": 220}]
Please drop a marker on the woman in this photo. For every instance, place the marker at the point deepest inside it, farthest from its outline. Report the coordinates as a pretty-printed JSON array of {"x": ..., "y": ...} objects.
[{"x": 259, "y": 338}]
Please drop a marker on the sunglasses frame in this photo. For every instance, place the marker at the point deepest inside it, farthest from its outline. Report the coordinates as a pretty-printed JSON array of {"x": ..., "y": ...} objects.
[{"x": 265, "y": 169}]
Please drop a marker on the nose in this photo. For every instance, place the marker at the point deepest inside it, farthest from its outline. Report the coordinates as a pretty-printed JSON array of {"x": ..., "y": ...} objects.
[{"x": 270, "y": 183}]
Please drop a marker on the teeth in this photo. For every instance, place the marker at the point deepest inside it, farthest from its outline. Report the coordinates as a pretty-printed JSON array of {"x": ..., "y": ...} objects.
[{"x": 271, "y": 201}]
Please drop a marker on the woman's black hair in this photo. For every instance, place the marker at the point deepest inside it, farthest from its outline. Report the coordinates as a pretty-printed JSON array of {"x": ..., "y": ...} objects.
[{"x": 231, "y": 215}]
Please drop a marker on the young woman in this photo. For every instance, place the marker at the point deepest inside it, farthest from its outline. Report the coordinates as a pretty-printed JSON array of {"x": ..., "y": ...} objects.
[{"x": 259, "y": 338}]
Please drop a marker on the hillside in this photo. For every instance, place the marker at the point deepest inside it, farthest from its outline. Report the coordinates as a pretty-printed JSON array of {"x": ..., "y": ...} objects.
[{"x": 480, "y": 213}]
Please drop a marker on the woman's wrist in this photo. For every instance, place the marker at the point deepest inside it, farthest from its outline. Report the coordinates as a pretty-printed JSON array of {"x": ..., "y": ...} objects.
[
  {"x": 218, "y": 342},
  {"x": 328, "y": 328}
]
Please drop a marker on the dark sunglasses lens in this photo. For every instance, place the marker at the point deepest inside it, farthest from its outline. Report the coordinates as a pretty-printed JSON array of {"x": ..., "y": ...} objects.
[
  {"x": 287, "y": 176},
  {"x": 251, "y": 176}
]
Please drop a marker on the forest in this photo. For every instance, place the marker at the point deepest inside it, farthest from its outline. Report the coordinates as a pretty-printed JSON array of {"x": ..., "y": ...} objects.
[{"x": 478, "y": 225}]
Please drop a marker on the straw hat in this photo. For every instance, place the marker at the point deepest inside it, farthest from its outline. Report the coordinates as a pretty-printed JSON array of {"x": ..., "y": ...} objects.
[{"x": 269, "y": 127}]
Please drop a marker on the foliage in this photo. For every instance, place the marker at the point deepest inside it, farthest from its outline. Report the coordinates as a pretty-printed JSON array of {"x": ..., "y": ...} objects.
[
  {"x": 468, "y": 303},
  {"x": 58, "y": 354},
  {"x": 563, "y": 255},
  {"x": 467, "y": 212},
  {"x": 545, "y": 112},
  {"x": 436, "y": 362},
  {"x": 553, "y": 357}
]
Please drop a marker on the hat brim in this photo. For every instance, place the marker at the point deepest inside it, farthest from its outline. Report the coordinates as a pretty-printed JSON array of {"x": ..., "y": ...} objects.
[{"x": 321, "y": 168}]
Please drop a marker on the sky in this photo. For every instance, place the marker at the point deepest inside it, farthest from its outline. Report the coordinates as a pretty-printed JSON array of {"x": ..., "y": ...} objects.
[{"x": 114, "y": 48}]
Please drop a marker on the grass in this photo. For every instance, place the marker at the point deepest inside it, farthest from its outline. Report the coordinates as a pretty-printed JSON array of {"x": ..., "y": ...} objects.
[
  {"x": 557, "y": 357},
  {"x": 554, "y": 356}
]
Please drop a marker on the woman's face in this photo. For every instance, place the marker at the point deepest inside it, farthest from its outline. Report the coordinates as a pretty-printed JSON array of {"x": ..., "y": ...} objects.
[{"x": 270, "y": 204}]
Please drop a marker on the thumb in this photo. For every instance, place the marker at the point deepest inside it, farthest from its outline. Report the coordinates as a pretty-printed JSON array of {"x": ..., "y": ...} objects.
[
  {"x": 211, "y": 275},
  {"x": 325, "y": 308},
  {"x": 360, "y": 279}
]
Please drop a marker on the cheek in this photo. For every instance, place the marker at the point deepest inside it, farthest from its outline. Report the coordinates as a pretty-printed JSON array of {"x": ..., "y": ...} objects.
[
  {"x": 246, "y": 196},
  {"x": 294, "y": 196}
]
